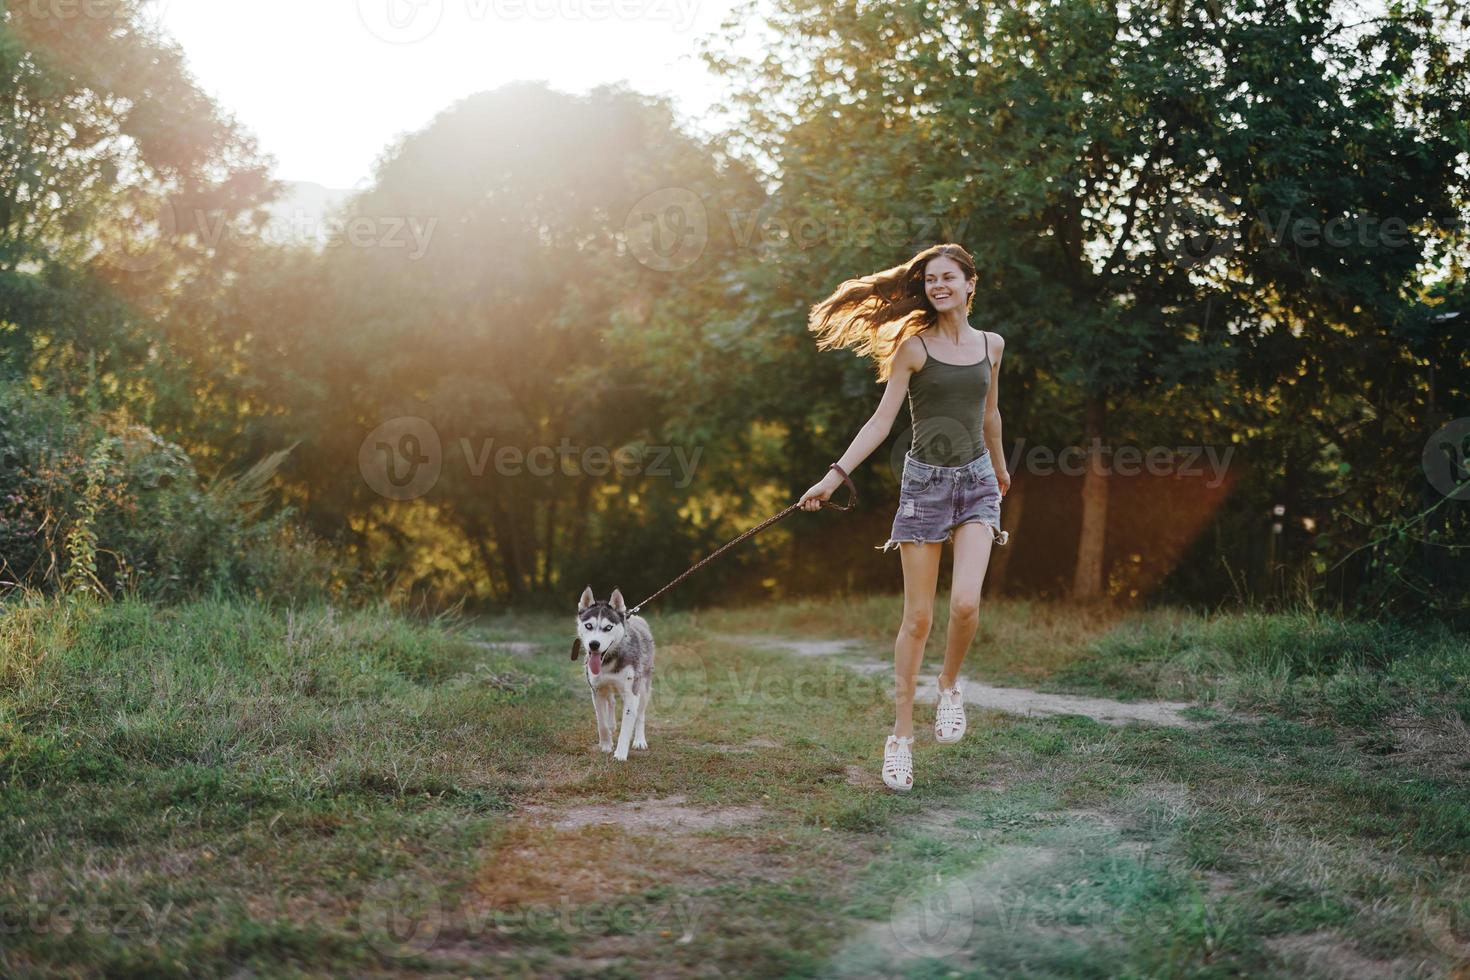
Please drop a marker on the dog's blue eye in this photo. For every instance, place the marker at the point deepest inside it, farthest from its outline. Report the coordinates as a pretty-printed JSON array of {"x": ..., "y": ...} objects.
[{"x": 607, "y": 628}]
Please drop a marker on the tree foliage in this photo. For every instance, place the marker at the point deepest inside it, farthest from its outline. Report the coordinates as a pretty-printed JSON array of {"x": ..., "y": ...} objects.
[{"x": 1232, "y": 225}]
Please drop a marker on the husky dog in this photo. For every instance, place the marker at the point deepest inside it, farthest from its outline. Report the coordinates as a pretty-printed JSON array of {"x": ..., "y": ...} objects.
[{"x": 619, "y": 651}]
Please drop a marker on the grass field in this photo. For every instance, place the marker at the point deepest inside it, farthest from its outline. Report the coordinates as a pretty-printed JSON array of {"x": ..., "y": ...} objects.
[{"x": 223, "y": 790}]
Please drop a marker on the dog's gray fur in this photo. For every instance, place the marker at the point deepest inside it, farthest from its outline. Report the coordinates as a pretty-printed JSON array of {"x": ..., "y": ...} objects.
[{"x": 624, "y": 647}]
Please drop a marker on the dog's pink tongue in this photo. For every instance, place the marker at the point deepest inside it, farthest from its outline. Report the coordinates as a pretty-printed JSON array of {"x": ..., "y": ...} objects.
[{"x": 594, "y": 660}]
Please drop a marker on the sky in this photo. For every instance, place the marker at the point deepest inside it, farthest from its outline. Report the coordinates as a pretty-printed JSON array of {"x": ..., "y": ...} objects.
[{"x": 325, "y": 85}]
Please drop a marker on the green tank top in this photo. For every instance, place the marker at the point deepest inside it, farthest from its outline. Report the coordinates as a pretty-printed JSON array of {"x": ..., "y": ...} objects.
[{"x": 947, "y": 406}]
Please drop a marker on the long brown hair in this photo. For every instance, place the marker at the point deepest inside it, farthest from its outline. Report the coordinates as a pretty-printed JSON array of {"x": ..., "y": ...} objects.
[{"x": 874, "y": 315}]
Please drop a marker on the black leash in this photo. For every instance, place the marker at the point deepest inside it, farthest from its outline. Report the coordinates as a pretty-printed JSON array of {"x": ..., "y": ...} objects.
[{"x": 851, "y": 503}]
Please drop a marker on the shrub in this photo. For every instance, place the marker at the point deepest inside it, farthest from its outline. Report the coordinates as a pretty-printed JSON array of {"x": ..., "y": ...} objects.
[{"x": 97, "y": 503}]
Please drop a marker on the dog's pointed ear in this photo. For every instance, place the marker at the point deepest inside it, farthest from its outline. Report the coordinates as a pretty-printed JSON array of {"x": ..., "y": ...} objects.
[
  {"x": 586, "y": 599},
  {"x": 617, "y": 601},
  {"x": 576, "y": 647}
]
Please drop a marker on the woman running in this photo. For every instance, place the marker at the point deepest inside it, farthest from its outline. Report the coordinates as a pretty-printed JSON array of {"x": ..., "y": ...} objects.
[{"x": 913, "y": 320}]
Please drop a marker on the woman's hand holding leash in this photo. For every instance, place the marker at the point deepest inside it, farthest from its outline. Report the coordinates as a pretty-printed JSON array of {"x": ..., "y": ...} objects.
[{"x": 819, "y": 494}]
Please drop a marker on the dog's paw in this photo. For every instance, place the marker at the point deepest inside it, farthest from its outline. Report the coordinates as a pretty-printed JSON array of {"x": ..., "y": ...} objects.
[
  {"x": 621, "y": 755},
  {"x": 606, "y": 748},
  {"x": 639, "y": 743}
]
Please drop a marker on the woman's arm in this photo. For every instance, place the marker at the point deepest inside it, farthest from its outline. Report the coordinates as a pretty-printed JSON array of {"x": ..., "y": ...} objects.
[
  {"x": 992, "y": 418},
  {"x": 875, "y": 430}
]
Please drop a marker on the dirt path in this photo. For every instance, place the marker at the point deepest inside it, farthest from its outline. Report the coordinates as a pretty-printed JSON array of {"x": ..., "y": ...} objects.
[
  {"x": 854, "y": 654},
  {"x": 1030, "y": 859}
]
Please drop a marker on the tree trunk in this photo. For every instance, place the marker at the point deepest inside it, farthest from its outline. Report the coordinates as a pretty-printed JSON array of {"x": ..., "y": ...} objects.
[
  {"x": 548, "y": 546},
  {"x": 507, "y": 546},
  {"x": 579, "y": 528},
  {"x": 1087, "y": 581},
  {"x": 475, "y": 529}
]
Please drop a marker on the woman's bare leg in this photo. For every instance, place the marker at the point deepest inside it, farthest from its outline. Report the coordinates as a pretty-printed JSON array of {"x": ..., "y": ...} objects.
[
  {"x": 972, "y": 544},
  {"x": 920, "y": 576}
]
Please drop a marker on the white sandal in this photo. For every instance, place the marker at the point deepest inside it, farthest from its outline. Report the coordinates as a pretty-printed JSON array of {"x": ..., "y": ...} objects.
[
  {"x": 898, "y": 763},
  {"x": 949, "y": 717}
]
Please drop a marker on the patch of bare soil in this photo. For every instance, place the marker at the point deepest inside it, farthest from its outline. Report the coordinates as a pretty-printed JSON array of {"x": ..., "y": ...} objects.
[
  {"x": 664, "y": 814},
  {"x": 797, "y": 645},
  {"x": 941, "y": 915},
  {"x": 1434, "y": 745},
  {"x": 749, "y": 745},
  {"x": 1327, "y": 954},
  {"x": 537, "y": 878},
  {"x": 537, "y": 866},
  {"x": 560, "y": 855},
  {"x": 1012, "y": 700},
  {"x": 577, "y": 868},
  {"x": 1023, "y": 701}
]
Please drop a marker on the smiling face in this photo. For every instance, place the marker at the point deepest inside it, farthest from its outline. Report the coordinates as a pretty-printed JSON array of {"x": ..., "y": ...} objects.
[{"x": 945, "y": 284}]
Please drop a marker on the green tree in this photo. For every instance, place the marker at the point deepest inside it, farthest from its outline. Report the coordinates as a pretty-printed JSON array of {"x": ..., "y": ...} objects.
[
  {"x": 118, "y": 177},
  {"x": 1116, "y": 172},
  {"x": 496, "y": 281}
]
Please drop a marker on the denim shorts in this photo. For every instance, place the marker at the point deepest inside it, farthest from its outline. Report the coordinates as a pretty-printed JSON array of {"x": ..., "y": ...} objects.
[{"x": 934, "y": 500}]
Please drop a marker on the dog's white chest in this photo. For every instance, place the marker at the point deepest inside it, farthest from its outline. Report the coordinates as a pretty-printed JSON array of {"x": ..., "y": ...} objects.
[{"x": 620, "y": 681}]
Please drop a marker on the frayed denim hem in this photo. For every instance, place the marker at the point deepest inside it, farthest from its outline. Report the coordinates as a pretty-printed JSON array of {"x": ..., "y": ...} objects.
[
  {"x": 1000, "y": 537},
  {"x": 894, "y": 542}
]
